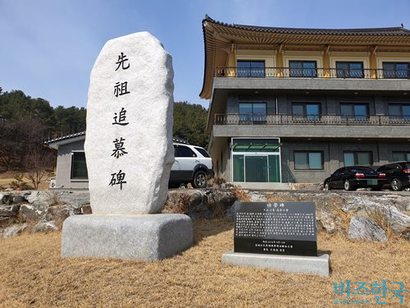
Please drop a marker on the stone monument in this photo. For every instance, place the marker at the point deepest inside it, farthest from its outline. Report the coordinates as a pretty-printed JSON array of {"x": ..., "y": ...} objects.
[
  {"x": 129, "y": 155},
  {"x": 278, "y": 235}
]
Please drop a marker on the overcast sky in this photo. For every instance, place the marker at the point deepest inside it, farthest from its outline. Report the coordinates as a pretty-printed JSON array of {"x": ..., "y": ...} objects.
[{"x": 48, "y": 47}]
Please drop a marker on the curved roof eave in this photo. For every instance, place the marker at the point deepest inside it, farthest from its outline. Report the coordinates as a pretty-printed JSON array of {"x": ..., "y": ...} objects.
[{"x": 374, "y": 36}]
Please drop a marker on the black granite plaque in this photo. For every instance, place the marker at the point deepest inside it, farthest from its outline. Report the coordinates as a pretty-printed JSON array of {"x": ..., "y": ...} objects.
[{"x": 286, "y": 228}]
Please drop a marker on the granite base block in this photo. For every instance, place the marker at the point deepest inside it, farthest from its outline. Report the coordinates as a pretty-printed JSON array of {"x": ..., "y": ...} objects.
[
  {"x": 129, "y": 237},
  {"x": 293, "y": 264}
]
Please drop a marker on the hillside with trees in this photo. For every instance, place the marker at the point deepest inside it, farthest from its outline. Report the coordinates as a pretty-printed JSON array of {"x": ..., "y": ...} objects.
[
  {"x": 25, "y": 123},
  {"x": 190, "y": 123},
  {"x": 16, "y": 106}
]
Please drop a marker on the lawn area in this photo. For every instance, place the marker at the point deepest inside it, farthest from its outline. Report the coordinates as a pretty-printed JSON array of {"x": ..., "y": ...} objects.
[{"x": 32, "y": 273}]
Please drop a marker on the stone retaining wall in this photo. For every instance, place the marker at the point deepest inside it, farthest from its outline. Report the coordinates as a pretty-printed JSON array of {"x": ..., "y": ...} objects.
[{"x": 359, "y": 215}]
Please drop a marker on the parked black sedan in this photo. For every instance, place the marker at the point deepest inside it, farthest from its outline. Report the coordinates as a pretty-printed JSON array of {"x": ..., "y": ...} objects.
[
  {"x": 397, "y": 174},
  {"x": 353, "y": 177}
]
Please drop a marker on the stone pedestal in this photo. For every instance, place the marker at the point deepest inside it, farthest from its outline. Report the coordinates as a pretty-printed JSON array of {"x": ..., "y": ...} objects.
[
  {"x": 292, "y": 264},
  {"x": 133, "y": 237}
]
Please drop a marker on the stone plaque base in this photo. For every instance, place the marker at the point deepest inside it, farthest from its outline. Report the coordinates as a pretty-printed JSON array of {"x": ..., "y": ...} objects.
[
  {"x": 292, "y": 264},
  {"x": 129, "y": 237}
]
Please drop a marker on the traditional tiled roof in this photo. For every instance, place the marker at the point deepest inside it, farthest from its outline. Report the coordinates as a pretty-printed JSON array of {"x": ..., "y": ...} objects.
[
  {"x": 219, "y": 37},
  {"x": 56, "y": 142},
  {"x": 65, "y": 137},
  {"x": 360, "y": 31}
]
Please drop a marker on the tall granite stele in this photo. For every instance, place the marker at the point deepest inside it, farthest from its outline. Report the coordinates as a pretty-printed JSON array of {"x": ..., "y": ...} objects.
[{"x": 129, "y": 154}]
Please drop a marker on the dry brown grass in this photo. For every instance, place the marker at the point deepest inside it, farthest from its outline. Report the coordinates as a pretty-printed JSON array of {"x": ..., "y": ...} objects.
[
  {"x": 240, "y": 194},
  {"x": 6, "y": 178},
  {"x": 32, "y": 273}
]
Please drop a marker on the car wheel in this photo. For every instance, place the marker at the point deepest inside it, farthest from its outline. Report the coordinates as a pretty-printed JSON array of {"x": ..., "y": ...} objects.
[
  {"x": 396, "y": 184},
  {"x": 199, "y": 180},
  {"x": 347, "y": 185},
  {"x": 327, "y": 186}
]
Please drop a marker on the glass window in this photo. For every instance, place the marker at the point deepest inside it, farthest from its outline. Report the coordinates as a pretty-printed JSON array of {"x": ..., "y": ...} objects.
[
  {"x": 401, "y": 156},
  {"x": 360, "y": 111},
  {"x": 252, "y": 112},
  {"x": 399, "y": 111},
  {"x": 274, "y": 173},
  {"x": 298, "y": 110},
  {"x": 363, "y": 158},
  {"x": 396, "y": 70},
  {"x": 238, "y": 168},
  {"x": 183, "y": 151},
  {"x": 78, "y": 166},
  {"x": 359, "y": 158},
  {"x": 259, "y": 108},
  {"x": 311, "y": 111},
  {"x": 308, "y": 160},
  {"x": 250, "y": 68},
  {"x": 315, "y": 161},
  {"x": 349, "y": 69},
  {"x": 302, "y": 69},
  {"x": 256, "y": 168},
  {"x": 301, "y": 160},
  {"x": 406, "y": 111},
  {"x": 395, "y": 110},
  {"x": 356, "y": 111},
  {"x": 349, "y": 159}
]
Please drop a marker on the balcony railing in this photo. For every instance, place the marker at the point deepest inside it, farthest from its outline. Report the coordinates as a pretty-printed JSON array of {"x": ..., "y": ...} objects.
[
  {"x": 285, "y": 119},
  {"x": 287, "y": 72}
]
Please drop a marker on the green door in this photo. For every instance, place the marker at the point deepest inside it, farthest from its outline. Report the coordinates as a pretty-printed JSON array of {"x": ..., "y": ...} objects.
[
  {"x": 274, "y": 174},
  {"x": 256, "y": 168}
]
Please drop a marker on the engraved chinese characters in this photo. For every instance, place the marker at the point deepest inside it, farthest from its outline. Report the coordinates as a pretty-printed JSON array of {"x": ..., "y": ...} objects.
[
  {"x": 129, "y": 126},
  {"x": 120, "y": 119},
  {"x": 276, "y": 228}
]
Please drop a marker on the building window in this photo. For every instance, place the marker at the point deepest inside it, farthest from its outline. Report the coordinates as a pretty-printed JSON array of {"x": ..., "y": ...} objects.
[
  {"x": 349, "y": 69},
  {"x": 357, "y": 158},
  {"x": 399, "y": 111},
  {"x": 309, "y": 111},
  {"x": 252, "y": 113},
  {"x": 400, "y": 70},
  {"x": 308, "y": 160},
  {"x": 302, "y": 69},
  {"x": 401, "y": 156},
  {"x": 256, "y": 160},
  {"x": 78, "y": 166},
  {"x": 354, "y": 111},
  {"x": 250, "y": 68}
]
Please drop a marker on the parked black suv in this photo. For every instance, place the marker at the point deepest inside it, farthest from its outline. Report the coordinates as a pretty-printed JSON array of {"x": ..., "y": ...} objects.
[
  {"x": 353, "y": 177},
  {"x": 397, "y": 174}
]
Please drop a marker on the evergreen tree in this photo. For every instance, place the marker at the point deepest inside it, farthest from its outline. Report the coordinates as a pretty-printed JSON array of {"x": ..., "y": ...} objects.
[{"x": 190, "y": 123}]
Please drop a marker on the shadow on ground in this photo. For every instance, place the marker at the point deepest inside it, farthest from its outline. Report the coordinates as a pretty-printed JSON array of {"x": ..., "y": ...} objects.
[{"x": 204, "y": 228}]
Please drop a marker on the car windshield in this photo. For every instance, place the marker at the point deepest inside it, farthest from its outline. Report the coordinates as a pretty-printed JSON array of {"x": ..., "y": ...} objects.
[
  {"x": 362, "y": 169},
  {"x": 202, "y": 151}
]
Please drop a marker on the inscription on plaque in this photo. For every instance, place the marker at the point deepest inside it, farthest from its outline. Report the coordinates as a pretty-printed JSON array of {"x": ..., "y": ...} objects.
[{"x": 287, "y": 228}]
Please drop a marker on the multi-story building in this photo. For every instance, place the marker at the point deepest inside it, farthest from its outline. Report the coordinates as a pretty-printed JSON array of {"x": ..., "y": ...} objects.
[{"x": 293, "y": 105}]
